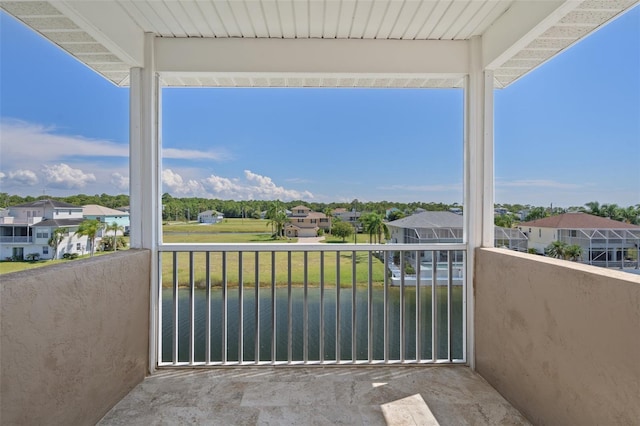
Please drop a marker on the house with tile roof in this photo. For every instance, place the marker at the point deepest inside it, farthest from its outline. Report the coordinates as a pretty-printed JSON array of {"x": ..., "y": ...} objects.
[
  {"x": 27, "y": 227},
  {"x": 304, "y": 222},
  {"x": 604, "y": 242}
]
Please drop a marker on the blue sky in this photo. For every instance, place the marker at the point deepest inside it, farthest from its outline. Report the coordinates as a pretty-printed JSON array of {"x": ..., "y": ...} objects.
[{"x": 567, "y": 133}]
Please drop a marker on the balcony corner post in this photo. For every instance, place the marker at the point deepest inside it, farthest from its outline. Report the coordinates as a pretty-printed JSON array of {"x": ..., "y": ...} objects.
[
  {"x": 144, "y": 172},
  {"x": 478, "y": 175}
]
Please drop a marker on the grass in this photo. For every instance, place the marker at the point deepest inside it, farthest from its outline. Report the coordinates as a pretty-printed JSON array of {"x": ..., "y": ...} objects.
[
  {"x": 195, "y": 238},
  {"x": 7, "y": 267},
  {"x": 227, "y": 225},
  {"x": 265, "y": 268}
]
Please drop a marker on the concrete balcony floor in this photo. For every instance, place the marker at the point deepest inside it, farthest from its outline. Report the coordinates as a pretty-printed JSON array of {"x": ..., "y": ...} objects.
[{"x": 440, "y": 395}]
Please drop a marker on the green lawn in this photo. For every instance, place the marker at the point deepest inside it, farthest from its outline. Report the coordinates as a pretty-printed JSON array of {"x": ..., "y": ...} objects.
[
  {"x": 195, "y": 238},
  {"x": 265, "y": 269},
  {"x": 227, "y": 225}
]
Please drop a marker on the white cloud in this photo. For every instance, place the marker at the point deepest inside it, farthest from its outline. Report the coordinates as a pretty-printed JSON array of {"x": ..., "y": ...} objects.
[
  {"x": 29, "y": 145},
  {"x": 119, "y": 181},
  {"x": 2, "y": 176},
  {"x": 253, "y": 186},
  {"x": 176, "y": 185},
  {"x": 24, "y": 177},
  {"x": 64, "y": 177}
]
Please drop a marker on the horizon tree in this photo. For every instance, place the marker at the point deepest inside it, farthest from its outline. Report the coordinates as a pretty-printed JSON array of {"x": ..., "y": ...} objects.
[{"x": 90, "y": 228}]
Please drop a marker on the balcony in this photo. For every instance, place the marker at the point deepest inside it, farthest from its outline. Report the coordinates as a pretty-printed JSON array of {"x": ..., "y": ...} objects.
[
  {"x": 544, "y": 332},
  {"x": 16, "y": 239}
]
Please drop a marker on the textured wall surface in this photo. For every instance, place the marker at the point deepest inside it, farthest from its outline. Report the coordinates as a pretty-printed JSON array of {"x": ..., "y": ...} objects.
[
  {"x": 559, "y": 340},
  {"x": 74, "y": 338}
]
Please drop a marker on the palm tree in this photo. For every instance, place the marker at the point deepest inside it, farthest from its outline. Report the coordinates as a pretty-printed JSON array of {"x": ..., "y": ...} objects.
[
  {"x": 57, "y": 235},
  {"x": 573, "y": 252},
  {"x": 115, "y": 228},
  {"x": 329, "y": 213},
  {"x": 278, "y": 222},
  {"x": 90, "y": 228},
  {"x": 374, "y": 226},
  {"x": 557, "y": 249}
]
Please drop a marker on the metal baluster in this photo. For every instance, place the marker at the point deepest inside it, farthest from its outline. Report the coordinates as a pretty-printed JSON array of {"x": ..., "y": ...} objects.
[
  {"x": 305, "y": 313},
  {"x": 240, "y": 310},
  {"x": 386, "y": 309},
  {"x": 159, "y": 307},
  {"x": 402, "y": 337},
  {"x": 225, "y": 300},
  {"x": 192, "y": 323},
  {"x": 175, "y": 307},
  {"x": 321, "y": 307},
  {"x": 273, "y": 307},
  {"x": 256, "y": 334},
  {"x": 449, "y": 304},
  {"x": 289, "y": 313},
  {"x": 370, "y": 309},
  {"x": 337, "y": 307},
  {"x": 354, "y": 353},
  {"x": 418, "y": 310},
  {"x": 207, "y": 333},
  {"x": 434, "y": 306}
]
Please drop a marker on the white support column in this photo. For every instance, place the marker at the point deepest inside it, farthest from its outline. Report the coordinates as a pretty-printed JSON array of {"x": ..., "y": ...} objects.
[
  {"x": 144, "y": 173},
  {"x": 478, "y": 174}
]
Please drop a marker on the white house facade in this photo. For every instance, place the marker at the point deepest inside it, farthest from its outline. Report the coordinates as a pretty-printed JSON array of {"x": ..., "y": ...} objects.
[
  {"x": 604, "y": 242},
  {"x": 210, "y": 216},
  {"x": 27, "y": 228}
]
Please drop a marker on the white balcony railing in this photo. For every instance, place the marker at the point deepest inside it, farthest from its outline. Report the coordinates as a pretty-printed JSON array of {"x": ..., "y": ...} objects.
[
  {"x": 16, "y": 239},
  {"x": 319, "y": 304}
]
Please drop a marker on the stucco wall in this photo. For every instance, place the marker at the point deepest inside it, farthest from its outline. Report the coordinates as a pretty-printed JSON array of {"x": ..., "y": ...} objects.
[
  {"x": 73, "y": 338},
  {"x": 559, "y": 340}
]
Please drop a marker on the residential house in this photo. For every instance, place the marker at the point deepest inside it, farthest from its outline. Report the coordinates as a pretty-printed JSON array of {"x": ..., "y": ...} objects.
[
  {"x": 210, "y": 216},
  {"x": 27, "y": 228},
  {"x": 604, "y": 242},
  {"x": 350, "y": 216},
  {"x": 303, "y": 222},
  {"x": 108, "y": 217}
]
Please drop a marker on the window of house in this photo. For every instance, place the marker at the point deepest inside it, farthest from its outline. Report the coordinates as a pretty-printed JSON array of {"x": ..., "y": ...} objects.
[
  {"x": 300, "y": 220},
  {"x": 313, "y": 221},
  {"x": 539, "y": 232},
  {"x": 45, "y": 250},
  {"x": 573, "y": 233},
  {"x": 78, "y": 246}
]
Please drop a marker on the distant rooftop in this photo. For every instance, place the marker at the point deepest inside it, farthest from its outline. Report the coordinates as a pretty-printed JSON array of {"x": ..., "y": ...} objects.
[
  {"x": 97, "y": 210},
  {"x": 578, "y": 220},
  {"x": 430, "y": 219},
  {"x": 59, "y": 222}
]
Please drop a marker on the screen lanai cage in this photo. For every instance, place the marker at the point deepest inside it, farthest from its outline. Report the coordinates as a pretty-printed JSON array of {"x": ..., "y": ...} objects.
[
  {"x": 510, "y": 238},
  {"x": 605, "y": 247}
]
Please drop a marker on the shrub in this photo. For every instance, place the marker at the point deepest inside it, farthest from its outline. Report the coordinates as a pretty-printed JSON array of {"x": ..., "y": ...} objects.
[
  {"x": 32, "y": 257},
  {"x": 70, "y": 256}
]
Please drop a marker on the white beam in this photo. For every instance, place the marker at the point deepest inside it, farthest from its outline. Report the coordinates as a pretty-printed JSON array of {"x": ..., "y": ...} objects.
[
  {"x": 519, "y": 26},
  {"x": 478, "y": 175},
  {"x": 329, "y": 56},
  {"x": 110, "y": 26},
  {"x": 144, "y": 175}
]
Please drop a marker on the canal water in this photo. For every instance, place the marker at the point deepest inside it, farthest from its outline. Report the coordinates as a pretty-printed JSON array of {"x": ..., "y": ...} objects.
[{"x": 313, "y": 303}]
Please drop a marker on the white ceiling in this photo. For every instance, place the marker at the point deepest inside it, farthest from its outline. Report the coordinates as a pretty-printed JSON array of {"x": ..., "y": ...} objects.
[{"x": 518, "y": 35}]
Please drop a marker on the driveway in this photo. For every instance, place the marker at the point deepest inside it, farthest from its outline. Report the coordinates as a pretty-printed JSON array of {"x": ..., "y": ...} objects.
[{"x": 310, "y": 240}]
